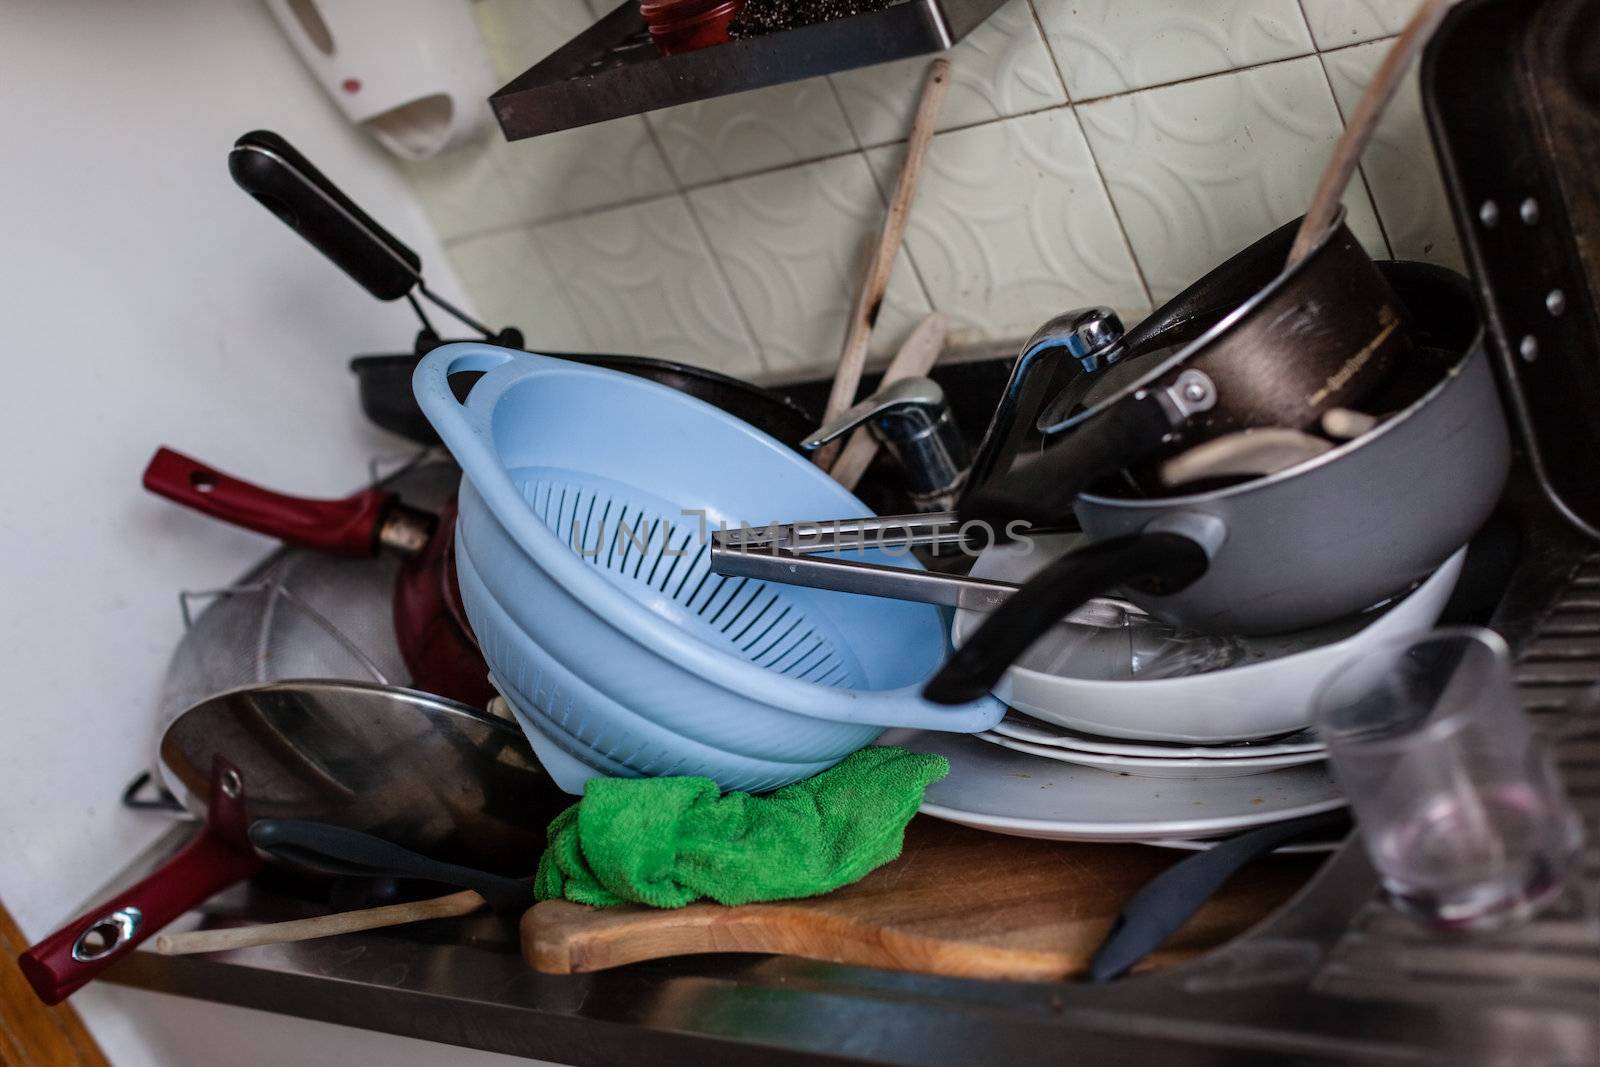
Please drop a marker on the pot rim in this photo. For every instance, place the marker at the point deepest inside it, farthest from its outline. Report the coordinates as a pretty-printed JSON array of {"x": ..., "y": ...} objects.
[
  {"x": 1227, "y": 323},
  {"x": 1475, "y": 350}
]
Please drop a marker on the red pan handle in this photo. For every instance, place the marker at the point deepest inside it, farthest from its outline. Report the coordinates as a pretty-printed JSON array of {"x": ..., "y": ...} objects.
[
  {"x": 347, "y": 527},
  {"x": 220, "y": 857}
]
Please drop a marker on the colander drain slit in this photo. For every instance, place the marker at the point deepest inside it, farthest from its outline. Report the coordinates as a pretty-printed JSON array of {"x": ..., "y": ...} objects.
[
  {"x": 755, "y": 592},
  {"x": 616, "y": 533},
  {"x": 756, "y": 618},
  {"x": 781, "y": 656},
  {"x": 688, "y": 600},
  {"x": 815, "y": 666},
  {"x": 707, "y": 576},
  {"x": 758, "y": 638},
  {"x": 557, "y": 524},
  {"x": 644, "y": 554},
  {"x": 837, "y": 676},
  {"x": 732, "y": 596},
  {"x": 600, "y": 534},
  {"x": 677, "y": 557},
  {"x": 816, "y": 643},
  {"x": 588, "y": 517},
  {"x": 820, "y": 669}
]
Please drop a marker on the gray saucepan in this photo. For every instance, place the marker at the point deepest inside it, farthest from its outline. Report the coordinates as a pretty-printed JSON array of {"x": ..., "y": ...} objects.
[{"x": 1298, "y": 548}]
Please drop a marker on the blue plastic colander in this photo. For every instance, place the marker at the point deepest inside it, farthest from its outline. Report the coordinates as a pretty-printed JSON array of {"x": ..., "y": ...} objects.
[{"x": 584, "y": 563}]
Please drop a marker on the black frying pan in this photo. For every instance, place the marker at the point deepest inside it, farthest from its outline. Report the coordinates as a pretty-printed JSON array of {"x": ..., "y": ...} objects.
[{"x": 268, "y": 168}]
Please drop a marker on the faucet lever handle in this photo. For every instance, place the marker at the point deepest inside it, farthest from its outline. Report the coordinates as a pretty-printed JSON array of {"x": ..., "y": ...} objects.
[{"x": 905, "y": 395}]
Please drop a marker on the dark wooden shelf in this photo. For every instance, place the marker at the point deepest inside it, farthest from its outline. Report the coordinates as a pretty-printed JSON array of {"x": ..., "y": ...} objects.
[{"x": 612, "y": 69}]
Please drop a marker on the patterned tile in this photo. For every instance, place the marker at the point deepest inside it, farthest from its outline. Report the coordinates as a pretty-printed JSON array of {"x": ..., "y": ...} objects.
[
  {"x": 519, "y": 33},
  {"x": 1002, "y": 68},
  {"x": 463, "y": 190},
  {"x": 491, "y": 184},
  {"x": 1113, "y": 46},
  {"x": 1336, "y": 23},
  {"x": 640, "y": 280},
  {"x": 727, "y": 136},
  {"x": 791, "y": 245},
  {"x": 1199, "y": 170},
  {"x": 1012, "y": 225},
  {"x": 511, "y": 285},
  {"x": 1399, "y": 163}
]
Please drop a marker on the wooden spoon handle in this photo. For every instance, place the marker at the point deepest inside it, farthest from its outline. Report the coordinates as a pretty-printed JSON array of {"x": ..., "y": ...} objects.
[
  {"x": 869, "y": 298},
  {"x": 1347, "y": 154},
  {"x": 344, "y": 922}
]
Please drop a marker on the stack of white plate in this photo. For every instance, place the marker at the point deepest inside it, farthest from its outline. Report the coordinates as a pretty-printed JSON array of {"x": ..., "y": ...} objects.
[
  {"x": 1167, "y": 760},
  {"x": 1156, "y": 759}
]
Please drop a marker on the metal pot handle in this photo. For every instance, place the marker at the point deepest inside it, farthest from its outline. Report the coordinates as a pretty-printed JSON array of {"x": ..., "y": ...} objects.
[{"x": 1042, "y": 492}]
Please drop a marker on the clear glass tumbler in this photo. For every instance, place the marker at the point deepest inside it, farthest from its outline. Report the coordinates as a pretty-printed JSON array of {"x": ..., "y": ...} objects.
[{"x": 1458, "y": 801}]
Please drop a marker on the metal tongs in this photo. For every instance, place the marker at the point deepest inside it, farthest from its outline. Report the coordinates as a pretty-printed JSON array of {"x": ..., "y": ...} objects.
[{"x": 793, "y": 553}]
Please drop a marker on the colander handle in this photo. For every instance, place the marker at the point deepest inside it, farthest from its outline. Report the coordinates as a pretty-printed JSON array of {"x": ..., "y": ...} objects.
[{"x": 464, "y": 431}]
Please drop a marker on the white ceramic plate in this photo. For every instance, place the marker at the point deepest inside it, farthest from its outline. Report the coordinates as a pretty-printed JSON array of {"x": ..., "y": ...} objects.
[
  {"x": 1270, "y": 693},
  {"x": 1020, "y": 728},
  {"x": 992, "y": 788},
  {"x": 1157, "y": 768}
]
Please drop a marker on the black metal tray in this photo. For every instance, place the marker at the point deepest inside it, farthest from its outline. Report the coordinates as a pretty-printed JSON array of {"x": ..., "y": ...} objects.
[{"x": 1512, "y": 92}]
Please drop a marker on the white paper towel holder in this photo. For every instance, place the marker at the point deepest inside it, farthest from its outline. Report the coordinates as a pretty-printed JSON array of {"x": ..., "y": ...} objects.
[{"x": 413, "y": 73}]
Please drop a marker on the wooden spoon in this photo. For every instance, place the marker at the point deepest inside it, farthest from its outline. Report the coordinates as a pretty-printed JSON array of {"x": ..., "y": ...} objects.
[
  {"x": 1347, "y": 154},
  {"x": 875, "y": 283}
]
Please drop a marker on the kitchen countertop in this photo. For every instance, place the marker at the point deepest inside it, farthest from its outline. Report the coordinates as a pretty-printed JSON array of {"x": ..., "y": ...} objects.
[{"x": 1332, "y": 977}]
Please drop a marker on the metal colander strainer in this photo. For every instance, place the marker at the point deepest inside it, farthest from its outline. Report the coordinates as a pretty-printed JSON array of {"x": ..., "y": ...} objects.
[{"x": 298, "y": 615}]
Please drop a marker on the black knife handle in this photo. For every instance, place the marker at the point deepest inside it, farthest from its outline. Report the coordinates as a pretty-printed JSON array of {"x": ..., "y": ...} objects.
[{"x": 1171, "y": 898}]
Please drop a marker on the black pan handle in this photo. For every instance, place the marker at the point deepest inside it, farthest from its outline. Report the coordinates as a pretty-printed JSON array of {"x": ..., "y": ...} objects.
[
  {"x": 1169, "y": 900},
  {"x": 269, "y": 169},
  {"x": 1163, "y": 562},
  {"x": 1042, "y": 492},
  {"x": 1224, "y": 289},
  {"x": 336, "y": 850}
]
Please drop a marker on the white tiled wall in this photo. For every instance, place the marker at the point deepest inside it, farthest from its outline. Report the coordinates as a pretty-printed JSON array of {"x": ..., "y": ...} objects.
[{"x": 1090, "y": 151}]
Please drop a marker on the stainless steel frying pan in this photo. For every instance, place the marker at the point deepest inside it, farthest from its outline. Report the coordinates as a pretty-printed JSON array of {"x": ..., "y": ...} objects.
[{"x": 441, "y": 779}]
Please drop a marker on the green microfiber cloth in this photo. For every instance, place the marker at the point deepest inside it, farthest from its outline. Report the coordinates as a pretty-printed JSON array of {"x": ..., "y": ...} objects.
[{"x": 667, "y": 842}]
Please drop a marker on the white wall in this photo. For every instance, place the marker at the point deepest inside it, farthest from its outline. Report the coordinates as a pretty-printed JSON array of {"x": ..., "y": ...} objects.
[{"x": 146, "y": 300}]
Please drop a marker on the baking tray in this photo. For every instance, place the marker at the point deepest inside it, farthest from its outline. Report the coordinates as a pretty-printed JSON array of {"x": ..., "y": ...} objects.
[{"x": 1512, "y": 94}]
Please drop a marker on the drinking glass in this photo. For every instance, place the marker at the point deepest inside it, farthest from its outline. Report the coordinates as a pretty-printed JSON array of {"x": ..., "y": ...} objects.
[{"x": 1458, "y": 802}]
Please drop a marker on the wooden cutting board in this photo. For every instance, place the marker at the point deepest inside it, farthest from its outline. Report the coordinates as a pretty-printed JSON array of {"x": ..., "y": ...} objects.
[{"x": 957, "y": 902}]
